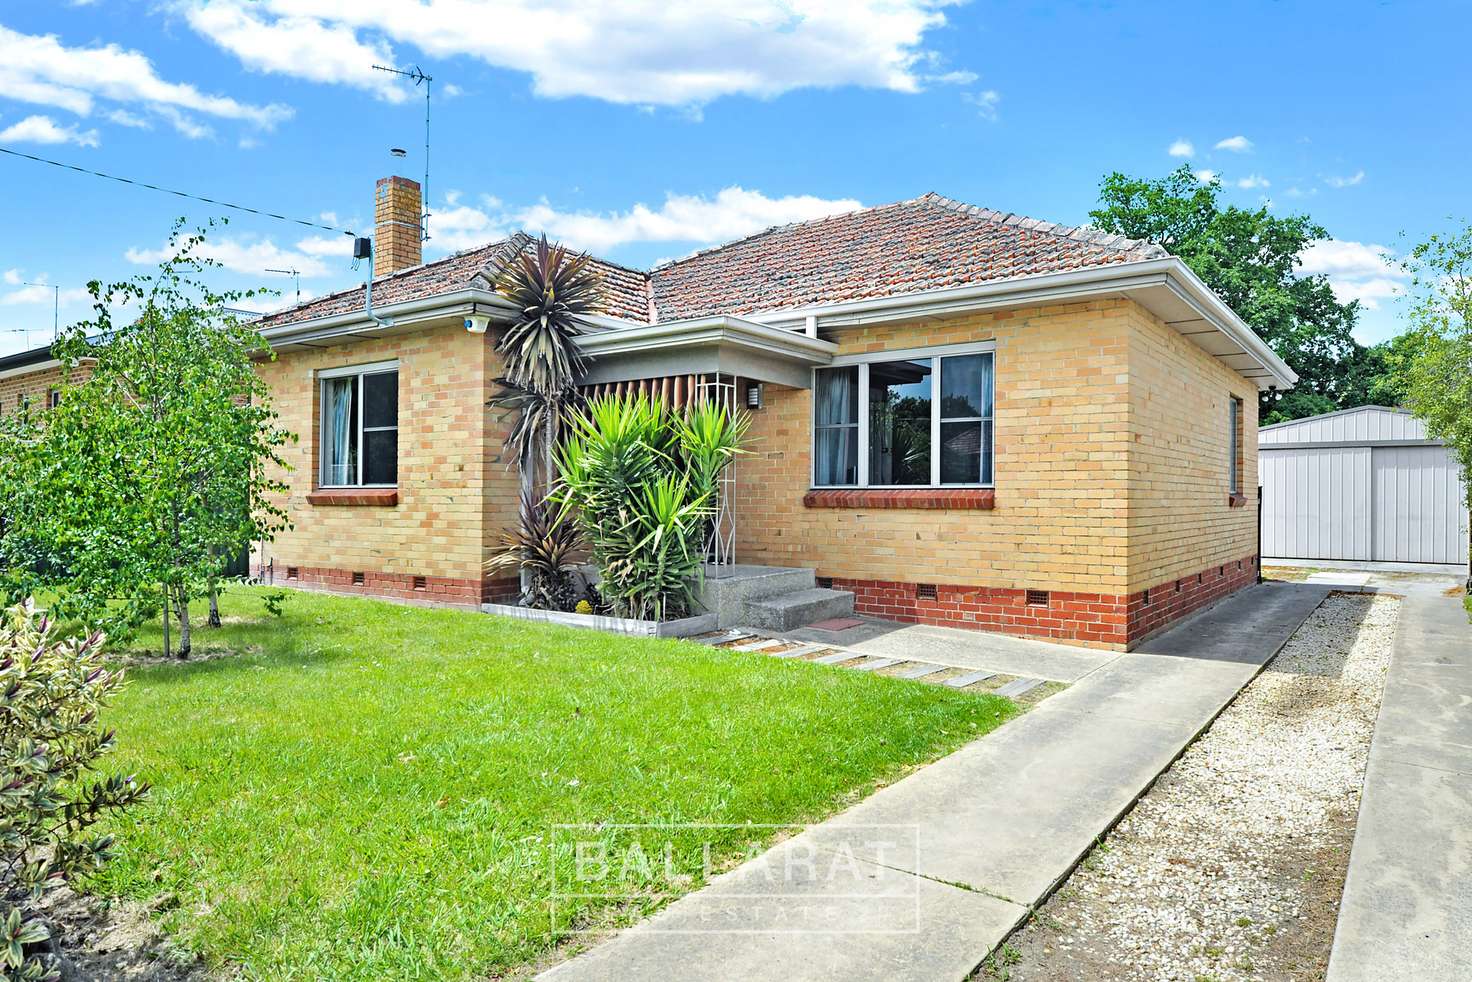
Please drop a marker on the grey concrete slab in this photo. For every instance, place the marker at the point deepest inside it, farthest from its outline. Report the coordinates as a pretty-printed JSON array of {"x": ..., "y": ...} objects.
[
  {"x": 920, "y": 671},
  {"x": 761, "y": 645},
  {"x": 1407, "y": 905},
  {"x": 1018, "y": 687},
  {"x": 835, "y": 657},
  {"x": 799, "y": 651},
  {"x": 873, "y": 664},
  {"x": 957, "y": 648},
  {"x": 996, "y": 825},
  {"x": 970, "y": 678}
]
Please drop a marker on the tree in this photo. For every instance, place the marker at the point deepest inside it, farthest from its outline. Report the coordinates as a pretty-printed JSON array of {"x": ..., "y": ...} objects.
[
  {"x": 133, "y": 493},
  {"x": 554, "y": 292},
  {"x": 1250, "y": 258},
  {"x": 1433, "y": 366}
]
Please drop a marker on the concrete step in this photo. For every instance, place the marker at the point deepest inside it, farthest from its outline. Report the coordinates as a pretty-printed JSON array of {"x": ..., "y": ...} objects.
[{"x": 783, "y": 612}]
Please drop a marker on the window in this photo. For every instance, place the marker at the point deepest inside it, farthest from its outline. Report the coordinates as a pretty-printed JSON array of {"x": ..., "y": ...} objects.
[
  {"x": 1234, "y": 460},
  {"x": 905, "y": 419},
  {"x": 360, "y": 426},
  {"x": 53, "y": 398}
]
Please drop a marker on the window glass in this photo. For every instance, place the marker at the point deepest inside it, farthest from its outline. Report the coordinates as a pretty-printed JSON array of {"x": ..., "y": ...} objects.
[
  {"x": 836, "y": 410},
  {"x": 360, "y": 437},
  {"x": 899, "y": 422},
  {"x": 965, "y": 419},
  {"x": 966, "y": 387}
]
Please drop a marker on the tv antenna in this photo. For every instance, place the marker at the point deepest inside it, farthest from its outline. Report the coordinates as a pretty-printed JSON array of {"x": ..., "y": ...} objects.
[
  {"x": 55, "y": 310},
  {"x": 417, "y": 75},
  {"x": 296, "y": 276}
]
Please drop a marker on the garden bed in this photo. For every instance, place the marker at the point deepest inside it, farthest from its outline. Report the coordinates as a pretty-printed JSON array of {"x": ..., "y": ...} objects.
[
  {"x": 683, "y": 627},
  {"x": 368, "y": 790}
]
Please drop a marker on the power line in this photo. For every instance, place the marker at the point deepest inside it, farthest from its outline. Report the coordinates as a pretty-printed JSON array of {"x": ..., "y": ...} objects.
[{"x": 181, "y": 194}]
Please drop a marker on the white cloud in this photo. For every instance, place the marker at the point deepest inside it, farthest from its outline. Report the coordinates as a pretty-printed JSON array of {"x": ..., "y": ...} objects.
[
  {"x": 1252, "y": 181},
  {"x": 1182, "y": 148},
  {"x": 985, "y": 103},
  {"x": 185, "y": 125},
  {"x": 44, "y": 129},
  {"x": 124, "y": 118},
  {"x": 1205, "y": 175},
  {"x": 1345, "y": 182},
  {"x": 624, "y": 51},
  {"x": 961, "y": 77},
  {"x": 1236, "y": 144},
  {"x": 255, "y": 256},
  {"x": 11, "y": 276},
  {"x": 37, "y": 291},
  {"x": 734, "y": 212},
  {"x": 1359, "y": 271},
  {"x": 40, "y": 69}
]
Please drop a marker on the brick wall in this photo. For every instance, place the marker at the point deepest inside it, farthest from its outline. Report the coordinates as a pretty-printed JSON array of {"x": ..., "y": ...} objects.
[
  {"x": 1111, "y": 478},
  {"x": 453, "y": 492},
  {"x": 33, "y": 385}
]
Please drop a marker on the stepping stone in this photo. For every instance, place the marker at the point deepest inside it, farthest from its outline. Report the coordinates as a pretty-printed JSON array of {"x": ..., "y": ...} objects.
[
  {"x": 725, "y": 637},
  {"x": 799, "y": 651},
  {"x": 919, "y": 671},
  {"x": 760, "y": 644},
  {"x": 961, "y": 681},
  {"x": 875, "y": 663},
  {"x": 1018, "y": 686},
  {"x": 837, "y": 624},
  {"x": 835, "y": 657}
]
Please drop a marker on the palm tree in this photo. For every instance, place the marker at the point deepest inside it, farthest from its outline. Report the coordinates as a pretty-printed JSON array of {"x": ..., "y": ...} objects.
[{"x": 554, "y": 293}]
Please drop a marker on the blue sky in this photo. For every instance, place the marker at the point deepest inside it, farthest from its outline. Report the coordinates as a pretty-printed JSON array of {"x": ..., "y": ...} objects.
[{"x": 645, "y": 130}]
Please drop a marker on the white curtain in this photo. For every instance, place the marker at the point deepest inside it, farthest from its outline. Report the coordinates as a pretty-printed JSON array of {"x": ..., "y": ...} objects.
[
  {"x": 339, "y": 434},
  {"x": 837, "y": 422}
]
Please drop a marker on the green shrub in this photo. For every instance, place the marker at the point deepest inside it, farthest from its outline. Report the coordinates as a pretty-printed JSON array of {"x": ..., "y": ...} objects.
[
  {"x": 643, "y": 483},
  {"x": 51, "y": 692}
]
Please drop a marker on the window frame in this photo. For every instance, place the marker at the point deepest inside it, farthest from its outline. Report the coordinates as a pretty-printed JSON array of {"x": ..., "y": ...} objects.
[
  {"x": 357, "y": 373},
  {"x": 936, "y": 355},
  {"x": 1236, "y": 407}
]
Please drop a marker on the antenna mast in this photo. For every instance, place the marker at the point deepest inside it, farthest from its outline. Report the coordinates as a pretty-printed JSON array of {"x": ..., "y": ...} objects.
[
  {"x": 296, "y": 276},
  {"x": 55, "y": 311},
  {"x": 417, "y": 75}
]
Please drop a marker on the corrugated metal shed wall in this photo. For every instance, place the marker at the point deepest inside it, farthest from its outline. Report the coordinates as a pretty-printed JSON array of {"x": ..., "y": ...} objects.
[{"x": 1364, "y": 484}]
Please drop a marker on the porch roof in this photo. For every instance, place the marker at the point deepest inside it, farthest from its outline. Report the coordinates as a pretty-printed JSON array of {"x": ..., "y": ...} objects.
[{"x": 721, "y": 343}]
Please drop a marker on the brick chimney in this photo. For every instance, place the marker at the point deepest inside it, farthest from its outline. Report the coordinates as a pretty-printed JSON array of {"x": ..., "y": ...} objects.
[{"x": 397, "y": 240}]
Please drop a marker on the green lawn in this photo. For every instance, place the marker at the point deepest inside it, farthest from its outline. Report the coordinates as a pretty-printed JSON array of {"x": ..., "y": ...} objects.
[{"x": 367, "y": 790}]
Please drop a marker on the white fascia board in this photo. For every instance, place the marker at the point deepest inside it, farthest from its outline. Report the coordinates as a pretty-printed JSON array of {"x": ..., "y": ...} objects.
[
  {"x": 403, "y": 313},
  {"x": 1120, "y": 278},
  {"x": 31, "y": 369},
  {"x": 720, "y": 329}
]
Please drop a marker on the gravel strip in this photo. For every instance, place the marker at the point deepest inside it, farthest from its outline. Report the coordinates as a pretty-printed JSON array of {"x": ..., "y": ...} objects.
[{"x": 1232, "y": 866}]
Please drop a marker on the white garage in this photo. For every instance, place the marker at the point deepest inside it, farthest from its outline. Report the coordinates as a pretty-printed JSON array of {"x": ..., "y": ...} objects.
[{"x": 1360, "y": 484}]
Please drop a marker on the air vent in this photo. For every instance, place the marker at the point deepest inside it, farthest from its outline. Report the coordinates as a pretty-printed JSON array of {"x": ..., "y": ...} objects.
[
  {"x": 357, "y": 579},
  {"x": 1037, "y": 598},
  {"x": 925, "y": 591},
  {"x": 1200, "y": 578},
  {"x": 293, "y": 573},
  {"x": 1239, "y": 565},
  {"x": 1221, "y": 570},
  {"x": 1147, "y": 598},
  {"x": 420, "y": 583},
  {"x": 1179, "y": 586},
  {"x": 825, "y": 582}
]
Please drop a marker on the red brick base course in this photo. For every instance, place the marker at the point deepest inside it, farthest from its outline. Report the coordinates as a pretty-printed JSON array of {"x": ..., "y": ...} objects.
[
  {"x": 402, "y": 586},
  {"x": 1096, "y": 619}
]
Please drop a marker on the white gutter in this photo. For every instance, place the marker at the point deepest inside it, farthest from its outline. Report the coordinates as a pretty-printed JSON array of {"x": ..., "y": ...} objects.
[
  {"x": 401, "y": 313},
  {"x": 39, "y": 366},
  {"x": 1169, "y": 273},
  {"x": 633, "y": 337}
]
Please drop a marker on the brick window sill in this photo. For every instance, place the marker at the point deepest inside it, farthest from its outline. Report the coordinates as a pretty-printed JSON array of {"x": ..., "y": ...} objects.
[
  {"x": 1236, "y": 500},
  {"x": 975, "y": 499},
  {"x": 358, "y": 497}
]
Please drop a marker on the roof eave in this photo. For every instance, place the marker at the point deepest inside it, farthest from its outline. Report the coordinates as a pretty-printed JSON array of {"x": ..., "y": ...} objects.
[{"x": 1169, "y": 273}]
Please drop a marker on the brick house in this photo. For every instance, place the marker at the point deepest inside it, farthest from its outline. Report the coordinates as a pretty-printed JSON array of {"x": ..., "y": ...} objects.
[{"x": 961, "y": 416}]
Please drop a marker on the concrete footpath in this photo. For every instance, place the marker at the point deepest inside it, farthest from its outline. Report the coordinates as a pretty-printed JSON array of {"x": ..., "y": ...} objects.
[
  {"x": 925, "y": 877},
  {"x": 1407, "y": 908}
]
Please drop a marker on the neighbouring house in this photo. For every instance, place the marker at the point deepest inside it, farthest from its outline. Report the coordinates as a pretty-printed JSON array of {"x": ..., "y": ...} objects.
[
  {"x": 961, "y": 416},
  {"x": 1361, "y": 484}
]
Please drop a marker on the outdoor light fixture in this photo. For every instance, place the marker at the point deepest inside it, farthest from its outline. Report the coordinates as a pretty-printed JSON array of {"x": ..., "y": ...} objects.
[{"x": 754, "y": 396}]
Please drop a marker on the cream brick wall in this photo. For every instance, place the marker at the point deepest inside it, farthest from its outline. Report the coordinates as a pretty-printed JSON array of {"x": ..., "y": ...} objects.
[
  {"x": 1109, "y": 466},
  {"x": 453, "y": 492},
  {"x": 33, "y": 385},
  {"x": 1061, "y": 466},
  {"x": 1180, "y": 521}
]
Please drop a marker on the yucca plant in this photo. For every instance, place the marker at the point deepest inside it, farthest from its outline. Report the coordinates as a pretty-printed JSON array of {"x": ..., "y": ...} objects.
[
  {"x": 642, "y": 481},
  {"x": 544, "y": 545}
]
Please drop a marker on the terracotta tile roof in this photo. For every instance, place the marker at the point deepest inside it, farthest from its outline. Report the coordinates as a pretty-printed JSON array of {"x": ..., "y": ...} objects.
[
  {"x": 626, "y": 289},
  {"x": 927, "y": 243}
]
